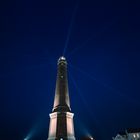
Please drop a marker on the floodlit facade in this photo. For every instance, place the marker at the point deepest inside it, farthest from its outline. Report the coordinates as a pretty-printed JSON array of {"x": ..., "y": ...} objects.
[
  {"x": 130, "y": 134},
  {"x": 61, "y": 119}
]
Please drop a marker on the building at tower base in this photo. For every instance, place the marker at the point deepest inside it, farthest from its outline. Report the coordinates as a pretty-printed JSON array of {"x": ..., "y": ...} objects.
[{"x": 129, "y": 134}]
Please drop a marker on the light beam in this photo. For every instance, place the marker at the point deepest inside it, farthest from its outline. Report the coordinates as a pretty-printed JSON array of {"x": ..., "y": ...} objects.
[
  {"x": 105, "y": 85},
  {"x": 70, "y": 27}
]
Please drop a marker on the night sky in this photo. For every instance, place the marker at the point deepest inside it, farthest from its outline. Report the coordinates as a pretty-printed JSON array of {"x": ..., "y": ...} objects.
[{"x": 100, "y": 40}]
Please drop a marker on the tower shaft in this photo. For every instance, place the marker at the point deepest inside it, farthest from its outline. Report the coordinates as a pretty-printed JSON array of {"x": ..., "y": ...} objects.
[
  {"x": 61, "y": 101},
  {"x": 61, "y": 118}
]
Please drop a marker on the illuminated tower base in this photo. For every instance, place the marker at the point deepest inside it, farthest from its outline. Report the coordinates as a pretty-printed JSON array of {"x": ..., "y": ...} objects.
[{"x": 61, "y": 126}]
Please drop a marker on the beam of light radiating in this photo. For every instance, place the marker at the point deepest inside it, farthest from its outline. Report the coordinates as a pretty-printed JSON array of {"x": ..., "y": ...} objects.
[
  {"x": 81, "y": 127},
  {"x": 37, "y": 127},
  {"x": 105, "y": 85},
  {"x": 70, "y": 27},
  {"x": 32, "y": 132},
  {"x": 29, "y": 136},
  {"x": 96, "y": 122},
  {"x": 101, "y": 31}
]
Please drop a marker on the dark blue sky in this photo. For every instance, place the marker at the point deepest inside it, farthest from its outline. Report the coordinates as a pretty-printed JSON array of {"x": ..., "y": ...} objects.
[{"x": 101, "y": 40}]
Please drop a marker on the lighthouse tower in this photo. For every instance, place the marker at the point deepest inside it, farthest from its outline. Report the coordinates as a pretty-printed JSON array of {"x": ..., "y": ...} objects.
[{"x": 61, "y": 118}]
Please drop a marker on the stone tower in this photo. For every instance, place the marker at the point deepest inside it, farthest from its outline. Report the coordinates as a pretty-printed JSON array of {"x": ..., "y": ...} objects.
[{"x": 61, "y": 118}]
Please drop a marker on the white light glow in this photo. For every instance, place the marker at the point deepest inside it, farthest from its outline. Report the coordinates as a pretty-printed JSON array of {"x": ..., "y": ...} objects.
[
  {"x": 91, "y": 138},
  {"x": 62, "y": 58},
  {"x": 134, "y": 135}
]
